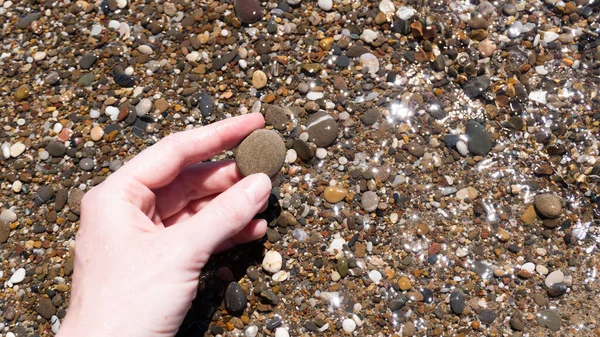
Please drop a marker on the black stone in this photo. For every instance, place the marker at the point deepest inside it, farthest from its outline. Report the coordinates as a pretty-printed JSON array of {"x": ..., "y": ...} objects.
[
  {"x": 124, "y": 80},
  {"x": 205, "y": 104},
  {"x": 235, "y": 299}
]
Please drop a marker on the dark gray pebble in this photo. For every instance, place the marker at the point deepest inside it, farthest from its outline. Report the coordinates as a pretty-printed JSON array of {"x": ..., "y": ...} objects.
[
  {"x": 480, "y": 142},
  {"x": 235, "y": 299}
]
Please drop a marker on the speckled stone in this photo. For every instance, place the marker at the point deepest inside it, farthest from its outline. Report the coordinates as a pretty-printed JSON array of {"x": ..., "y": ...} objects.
[
  {"x": 262, "y": 151},
  {"x": 548, "y": 205}
]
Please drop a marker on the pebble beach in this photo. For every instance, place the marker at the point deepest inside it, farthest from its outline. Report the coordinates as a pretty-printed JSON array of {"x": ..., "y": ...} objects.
[{"x": 435, "y": 164}]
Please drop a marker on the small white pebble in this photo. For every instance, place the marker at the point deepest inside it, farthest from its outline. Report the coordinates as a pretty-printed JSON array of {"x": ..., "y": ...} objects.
[
  {"x": 282, "y": 332},
  {"x": 321, "y": 153},
  {"x": 251, "y": 331},
  {"x": 291, "y": 156},
  {"x": 18, "y": 276},
  {"x": 349, "y": 325},
  {"x": 375, "y": 276},
  {"x": 17, "y": 149},
  {"x": 530, "y": 267},
  {"x": 462, "y": 148},
  {"x": 272, "y": 262}
]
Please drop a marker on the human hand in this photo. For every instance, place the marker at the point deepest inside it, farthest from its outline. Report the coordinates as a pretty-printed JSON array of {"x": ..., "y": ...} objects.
[{"x": 149, "y": 228}]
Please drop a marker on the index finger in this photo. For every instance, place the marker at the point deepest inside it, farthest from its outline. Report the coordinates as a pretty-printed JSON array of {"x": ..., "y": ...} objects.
[{"x": 159, "y": 164}]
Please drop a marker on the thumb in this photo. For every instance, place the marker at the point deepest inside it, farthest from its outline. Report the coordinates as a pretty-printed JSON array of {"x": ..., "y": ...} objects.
[{"x": 224, "y": 216}]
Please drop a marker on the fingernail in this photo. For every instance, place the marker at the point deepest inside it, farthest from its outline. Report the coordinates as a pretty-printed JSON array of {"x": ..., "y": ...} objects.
[{"x": 259, "y": 188}]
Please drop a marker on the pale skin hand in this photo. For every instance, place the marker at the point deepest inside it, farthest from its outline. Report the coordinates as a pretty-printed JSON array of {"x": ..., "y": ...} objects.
[{"x": 147, "y": 231}]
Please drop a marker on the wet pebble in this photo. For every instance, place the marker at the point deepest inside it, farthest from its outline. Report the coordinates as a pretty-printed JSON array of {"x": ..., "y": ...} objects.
[
  {"x": 549, "y": 319},
  {"x": 322, "y": 129},
  {"x": 480, "y": 142},
  {"x": 548, "y": 205},
  {"x": 235, "y": 299},
  {"x": 369, "y": 201}
]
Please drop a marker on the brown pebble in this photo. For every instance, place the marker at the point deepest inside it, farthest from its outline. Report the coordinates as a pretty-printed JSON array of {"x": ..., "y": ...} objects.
[{"x": 262, "y": 151}]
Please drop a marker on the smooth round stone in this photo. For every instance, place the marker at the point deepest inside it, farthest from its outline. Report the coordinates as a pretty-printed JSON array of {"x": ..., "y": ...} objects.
[
  {"x": 263, "y": 151},
  {"x": 457, "y": 302},
  {"x": 462, "y": 148},
  {"x": 416, "y": 149},
  {"x": 86, "y": 164},
  {"x": 480, "y": 142},
  {"x": 259, "y": 79},
  {"x": 8, "y": 215},
  {"x": 282, "y": 332},
  {"x": 143, "y": 107},
  {"x": 44, "y": 155},
  {"x": 321, "y": 153},
  {"x": 272, "y": 262},
  {"x": 17, "y": 149},
  {"x": 369, "y": 201},
  {"x": 549, "y": 319},
  {"x": 88, "y": 60},
  {"x": 342, "y": 266},
  {"x": 248, "y": 11},
  {"x": 486, "y": 47},
  {"x": 52, "y": 78},
  {"x": 44, "y": 194},
  {"x": 548, "y": 205},
  {"x": 371, "y": 116},
  {"x": 96, "y": 133},
  {"x": 404, "y": 284},
  {"x": 349, "y": 325},
  {"x": 115, "y": 165},
  {"x": 325, "y": 5},
  {"x": 56, "y": 149},
  {"x": 235, "y": 299},
  {"x": 291, "y": 156},
  {"x": 23, "y": 92},
  {"x": 145, "y": 49},
  {"x": 487, "y": 316},
  {"x": 322, "y": 129},
  {"x": 554, "y": 277},
  {"x": 40, "y": 55},
  {"x": 335, "y": 194}
]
